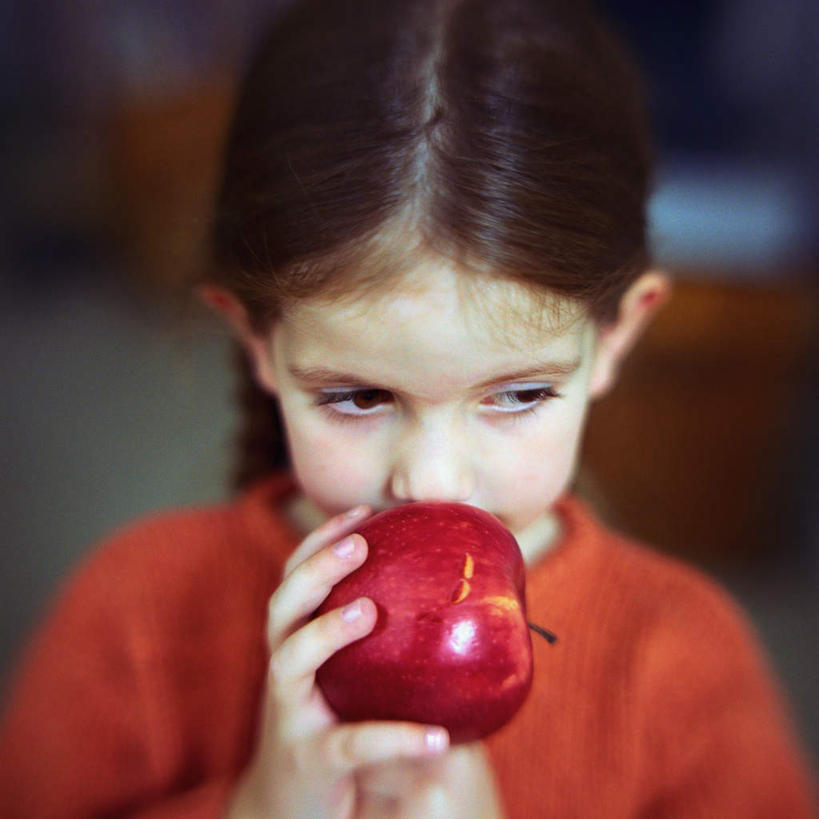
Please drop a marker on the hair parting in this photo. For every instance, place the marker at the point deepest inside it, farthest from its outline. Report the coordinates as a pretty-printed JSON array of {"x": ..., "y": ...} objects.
[{"x": 509, "y": 139}]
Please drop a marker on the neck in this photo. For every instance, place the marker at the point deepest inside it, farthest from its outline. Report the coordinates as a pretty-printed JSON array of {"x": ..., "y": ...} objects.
[{"x": 538, "y": 537}]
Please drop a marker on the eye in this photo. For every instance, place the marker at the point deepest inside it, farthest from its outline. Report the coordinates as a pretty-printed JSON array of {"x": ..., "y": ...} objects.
[
  {"x": 523, "y": 398},
  {"x": 355, "y": 402}
]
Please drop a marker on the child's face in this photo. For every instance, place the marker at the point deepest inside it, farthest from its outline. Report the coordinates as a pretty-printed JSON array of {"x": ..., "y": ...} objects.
[{"x": 434, "y": 391}]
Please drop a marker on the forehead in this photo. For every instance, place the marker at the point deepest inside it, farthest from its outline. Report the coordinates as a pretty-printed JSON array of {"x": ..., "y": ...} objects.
[
  {"x": 434, "y": 336},
  {"x": 443, "y": 302}
]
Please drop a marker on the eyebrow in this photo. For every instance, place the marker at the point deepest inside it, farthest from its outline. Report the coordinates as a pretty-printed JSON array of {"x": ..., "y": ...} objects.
[{"x": 327, "y": 375}]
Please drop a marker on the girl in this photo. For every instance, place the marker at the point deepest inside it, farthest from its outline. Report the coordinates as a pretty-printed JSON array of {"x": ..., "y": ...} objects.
[{"x": 430, "y": 242}]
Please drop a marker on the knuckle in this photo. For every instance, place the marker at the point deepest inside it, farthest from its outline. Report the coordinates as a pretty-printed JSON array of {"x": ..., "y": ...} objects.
[
  {"x": 321, "y": 627},
  {"x": 277, "y": 672},
  {"x": 342, "y": 748},
  {"x": 329, "y": 630},
  {"x": 435, "y": 798},
  {"x": 303, "y": 575},
  {"x": 296, "y": 560},
  {"x": 301, "y": 754},
  {"x": 289, "y": 565},
  {"x": 273, "y": 608}
]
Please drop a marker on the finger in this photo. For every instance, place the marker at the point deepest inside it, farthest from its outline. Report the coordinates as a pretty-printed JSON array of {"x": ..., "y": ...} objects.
[
  {"x": 301, "y": 593},
  {"x": 353, "y": 746},
  {"x": 293, "y": 666},
  {"x": 331, "y": 530},
  {"x": 461, "y": 783},
  {"x": 391, "y": 781}
]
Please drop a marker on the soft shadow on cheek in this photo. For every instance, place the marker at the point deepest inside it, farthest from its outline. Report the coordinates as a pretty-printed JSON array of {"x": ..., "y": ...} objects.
[
  {"x": 545, "y": 459},
  {"x": 328, "y": 459}
]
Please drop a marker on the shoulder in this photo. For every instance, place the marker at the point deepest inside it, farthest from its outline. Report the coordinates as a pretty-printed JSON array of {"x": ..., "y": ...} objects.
[
  {"x": 652, "y": 584},
  {"x": 248, "y": 527},
  {"x": 701, "y": 694},
  {"x": 157, "y": 551},
  {"x": 159, "y": 542},
  {"x": 169, "y": 564},
  {"x": 664, "y": 614},
  {"x": 682, "y": 611},
  {"x": 687, "y": 649},
  {"x": 637, "y": 578}
]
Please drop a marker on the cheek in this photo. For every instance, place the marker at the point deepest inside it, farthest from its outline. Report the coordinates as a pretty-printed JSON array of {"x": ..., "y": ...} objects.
[
  {"x": 536, "y": 465},
  {"x": 335, "y": 471},
  {"x": 535, "y": 468}
]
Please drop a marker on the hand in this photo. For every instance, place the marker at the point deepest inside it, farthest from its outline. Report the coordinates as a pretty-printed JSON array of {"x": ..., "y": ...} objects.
[
  {"x": 456, "y": 785},
  {"x": 306, "y": 764}
]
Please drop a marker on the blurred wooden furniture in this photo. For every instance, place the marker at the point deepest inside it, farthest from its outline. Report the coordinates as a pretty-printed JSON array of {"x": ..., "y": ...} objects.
[
  {"x": 164, "y": 154},
  {"x": 693, "y": 450}
]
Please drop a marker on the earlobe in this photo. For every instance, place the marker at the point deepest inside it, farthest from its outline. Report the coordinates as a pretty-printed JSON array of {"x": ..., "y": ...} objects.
[
  {"x": 638, "y": 307},
  {"x": 256, "y": 345},
  {"x": 261, "y": 355}
]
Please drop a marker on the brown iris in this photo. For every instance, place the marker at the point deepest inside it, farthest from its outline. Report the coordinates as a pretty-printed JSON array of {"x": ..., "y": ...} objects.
[{"x": 369, "y": 399}]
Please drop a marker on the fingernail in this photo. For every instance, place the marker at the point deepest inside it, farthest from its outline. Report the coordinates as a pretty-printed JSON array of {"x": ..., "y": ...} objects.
[
  {"x": 351, "y": 612},
  {"x": 345, "y": 548},
  {"x": 435, "y": 739},
  {"x": 354, "y": 512}
]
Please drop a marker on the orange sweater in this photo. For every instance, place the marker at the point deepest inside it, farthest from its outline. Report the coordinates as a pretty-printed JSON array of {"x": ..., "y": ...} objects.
[{"x": 139, "y": 695}]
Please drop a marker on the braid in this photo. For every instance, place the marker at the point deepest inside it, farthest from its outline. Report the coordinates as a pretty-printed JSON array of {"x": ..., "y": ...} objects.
[{"x": 261, "y": 445}]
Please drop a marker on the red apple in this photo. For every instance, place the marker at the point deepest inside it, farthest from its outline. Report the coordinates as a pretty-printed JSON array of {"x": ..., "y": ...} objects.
[{"x": 451, "y": 644}]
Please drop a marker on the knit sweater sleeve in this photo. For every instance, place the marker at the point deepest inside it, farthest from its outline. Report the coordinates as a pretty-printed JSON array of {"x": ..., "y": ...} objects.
[
  {"x": 72, "y": 743},
  {"x": 86, "y": 729},
  {"x": 718, "y": 737}
]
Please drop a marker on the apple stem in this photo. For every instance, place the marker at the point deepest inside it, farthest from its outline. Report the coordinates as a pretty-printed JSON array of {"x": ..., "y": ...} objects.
[{"x": 544, "y": 633}]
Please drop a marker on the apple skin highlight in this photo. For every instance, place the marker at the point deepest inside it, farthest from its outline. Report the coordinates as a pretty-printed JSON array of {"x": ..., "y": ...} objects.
[{"x": 451, "y": 645}]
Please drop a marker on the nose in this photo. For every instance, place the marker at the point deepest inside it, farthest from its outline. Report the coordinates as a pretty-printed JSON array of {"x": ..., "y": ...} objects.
[{"x": 432, "y": 463}]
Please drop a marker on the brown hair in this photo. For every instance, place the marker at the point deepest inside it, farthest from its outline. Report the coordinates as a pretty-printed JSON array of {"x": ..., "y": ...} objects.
[{"x": 509, "y": 137}]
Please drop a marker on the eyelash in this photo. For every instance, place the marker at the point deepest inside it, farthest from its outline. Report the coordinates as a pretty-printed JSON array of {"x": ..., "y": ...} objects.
[
  {"x": 328, "y": 399},
  {"x": 545, "y": 393}
]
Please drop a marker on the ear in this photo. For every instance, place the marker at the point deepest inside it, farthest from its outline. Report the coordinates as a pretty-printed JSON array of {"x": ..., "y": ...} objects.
[
  {"x": 258, "y": 346},
  {"x": 637, "y": 308}
]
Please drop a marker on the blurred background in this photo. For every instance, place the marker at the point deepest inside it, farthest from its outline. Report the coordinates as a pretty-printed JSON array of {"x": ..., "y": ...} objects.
[{"x": 117, "y": 397}]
